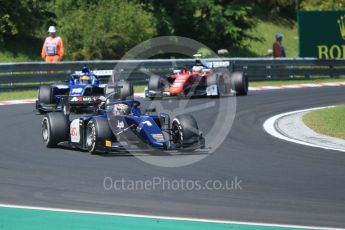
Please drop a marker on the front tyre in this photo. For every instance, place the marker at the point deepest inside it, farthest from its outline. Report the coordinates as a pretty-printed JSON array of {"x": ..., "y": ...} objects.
[
  {"x": 156, "y": 85},
  {"x": 55, "y": 129},
  {"x": 97, "y": 132},
  {"x": 46, "y": 94},
  {"x": 127, "y": 90},
  {"x": 185, "y": 131},
  {"x": 239, "y": 83}
]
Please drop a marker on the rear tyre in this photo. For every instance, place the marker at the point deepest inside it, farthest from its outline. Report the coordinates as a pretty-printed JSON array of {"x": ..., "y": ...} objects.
[
  {"x": 239, "y": 83},
  {"x": 97, "y": 132},
  {"x": 156, "y": 84},
  {"x": 55, "y": 129},
  {"x": 185, "y": 131},
  {"x": 46, "y": 94},
  {"x": 127, "y": 91}
]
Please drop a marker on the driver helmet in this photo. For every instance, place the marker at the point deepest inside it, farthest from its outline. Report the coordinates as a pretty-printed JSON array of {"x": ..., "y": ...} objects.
[
  {"x": 85, "y": 79},
  {"x": 121, "y": 109},
  {"x": 199, "y": 65},
  {"x": 197, "y": 68}
]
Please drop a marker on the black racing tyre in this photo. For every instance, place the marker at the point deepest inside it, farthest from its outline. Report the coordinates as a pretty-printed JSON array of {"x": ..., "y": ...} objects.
[
  {"x": 127, "y": 90},
  {"x": 46, "y": 94},
  {"x": 97, "y": 132},
  {"x": 239, "y": 83},
  {"x": 65, "y": 107},
  {"x": 55, "y": 129},
  {"x": 185, "y": 130},
  {"x": 156, "y": 84}
]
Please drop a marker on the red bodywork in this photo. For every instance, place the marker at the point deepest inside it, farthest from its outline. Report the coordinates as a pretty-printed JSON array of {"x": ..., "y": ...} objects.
[{"x": 179, "y": 81}]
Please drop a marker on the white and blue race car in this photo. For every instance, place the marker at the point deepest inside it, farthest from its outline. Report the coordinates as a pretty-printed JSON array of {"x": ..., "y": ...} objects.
[
  {"x": 79, "y": 94},
  {"x": 121, "y": 126}
]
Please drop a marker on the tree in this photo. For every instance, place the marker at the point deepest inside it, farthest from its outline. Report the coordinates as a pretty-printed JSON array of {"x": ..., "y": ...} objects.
[
  {"x": 21, "y": 17},
  {"x": 282, "y": 8},
  {"x": 103, "y": 29},
  {"x": 216, "y": 23}
]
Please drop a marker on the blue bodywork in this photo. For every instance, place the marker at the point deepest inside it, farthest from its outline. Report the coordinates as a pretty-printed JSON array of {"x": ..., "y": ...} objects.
[
  {"x": 74, "y": 92},
  {"x": 139, "y": 131},
  {"x": 135, "y": 124},
  {"x": 77, "y": 86},
  {"x": 121, "y": 126}
]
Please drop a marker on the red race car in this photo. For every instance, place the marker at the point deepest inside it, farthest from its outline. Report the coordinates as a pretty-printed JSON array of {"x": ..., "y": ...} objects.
[{"x": 197, "y": 80}]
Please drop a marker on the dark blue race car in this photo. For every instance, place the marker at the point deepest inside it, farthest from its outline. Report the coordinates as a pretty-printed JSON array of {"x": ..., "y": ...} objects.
[
  {"x": 79, "y": 94},
  {"x": 121, "y": 126}
]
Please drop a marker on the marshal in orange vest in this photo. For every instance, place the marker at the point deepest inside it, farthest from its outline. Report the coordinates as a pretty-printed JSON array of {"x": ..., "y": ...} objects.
[{"x": 52, "y": 50}]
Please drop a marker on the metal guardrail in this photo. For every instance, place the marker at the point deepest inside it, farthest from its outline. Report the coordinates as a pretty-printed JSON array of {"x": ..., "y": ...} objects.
[{"x": 32, "y": 74}]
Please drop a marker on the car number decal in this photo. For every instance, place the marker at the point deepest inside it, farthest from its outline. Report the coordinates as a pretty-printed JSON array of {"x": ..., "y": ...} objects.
[{"x": 77, "y": 90}]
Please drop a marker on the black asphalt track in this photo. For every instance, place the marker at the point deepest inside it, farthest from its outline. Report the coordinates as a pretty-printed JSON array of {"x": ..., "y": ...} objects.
[{"x": 281, "y": 182}]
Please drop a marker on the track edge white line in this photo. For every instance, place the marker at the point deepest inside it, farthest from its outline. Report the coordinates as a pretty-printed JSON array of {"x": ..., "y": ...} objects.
[
  {"x": 166, "y": 217},
  {"x": 270, "y": 127}
]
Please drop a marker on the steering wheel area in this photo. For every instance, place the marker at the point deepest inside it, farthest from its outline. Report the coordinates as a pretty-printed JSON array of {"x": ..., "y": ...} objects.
[{"x": 136, "y": 103}]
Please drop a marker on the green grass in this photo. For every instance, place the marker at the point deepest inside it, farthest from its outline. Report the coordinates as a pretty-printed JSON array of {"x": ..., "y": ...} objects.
[
  {"x": 139, "y": 88},
  {"x": 18, "y": 94},
  {"x": 330, "y": 121},
  {"x": 21, "y": 49},
  {"x": 265, "y": 31},
  {"x": 7, "y": 56},
  {"x": 293, "y": 82}
]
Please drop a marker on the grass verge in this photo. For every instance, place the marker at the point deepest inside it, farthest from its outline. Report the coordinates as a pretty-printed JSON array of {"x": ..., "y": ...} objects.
[
  {"x": 21, "y": 49},
  {"x": 18, "y": 94},
  {"x": 294, "y": 82},
  {"x": 266, "y": 31},
  {"x": 330, "y": 121}
]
